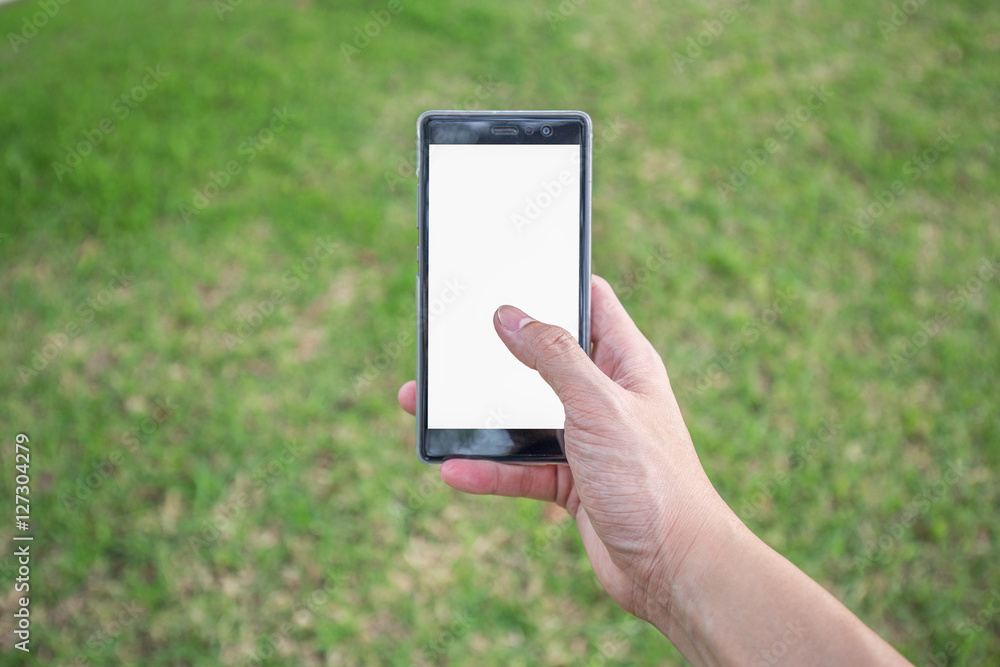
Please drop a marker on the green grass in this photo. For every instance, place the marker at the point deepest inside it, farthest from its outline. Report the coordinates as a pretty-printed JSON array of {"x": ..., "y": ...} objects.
[{"x": 277, "y": 510}]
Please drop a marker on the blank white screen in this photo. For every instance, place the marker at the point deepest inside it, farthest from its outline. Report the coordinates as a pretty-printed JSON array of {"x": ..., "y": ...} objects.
[{"x": 503, "y": 228}]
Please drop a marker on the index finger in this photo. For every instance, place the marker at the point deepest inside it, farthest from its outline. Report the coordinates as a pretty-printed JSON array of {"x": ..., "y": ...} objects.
[
  {"x": 619, "y": 348},
  {"x": 408, "y": 397}
]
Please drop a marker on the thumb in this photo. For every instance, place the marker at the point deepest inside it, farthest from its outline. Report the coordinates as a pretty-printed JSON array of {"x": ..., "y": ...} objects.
[{"x": 556, "y": 355}]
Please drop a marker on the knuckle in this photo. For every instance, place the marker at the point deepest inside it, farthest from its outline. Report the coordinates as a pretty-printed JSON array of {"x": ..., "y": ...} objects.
[
  {"x": 556, "y": 341},
  {"x": 597, "y": 409}
]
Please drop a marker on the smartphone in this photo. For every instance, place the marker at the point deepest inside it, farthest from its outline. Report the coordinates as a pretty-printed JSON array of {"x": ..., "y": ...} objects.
[{"x": 503, "y": 212}]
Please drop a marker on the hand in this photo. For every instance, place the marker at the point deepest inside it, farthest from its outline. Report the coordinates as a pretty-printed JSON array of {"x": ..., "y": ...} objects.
[
  {"x": 633, "y": 483},
  {"x": 660, "y": 539}
]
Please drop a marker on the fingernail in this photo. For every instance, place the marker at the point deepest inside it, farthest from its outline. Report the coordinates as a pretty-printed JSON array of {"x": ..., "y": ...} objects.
[{"x": 513, "y": 318}]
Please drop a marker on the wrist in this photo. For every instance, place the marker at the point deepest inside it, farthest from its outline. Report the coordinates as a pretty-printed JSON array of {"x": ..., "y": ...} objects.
[{"x": 676, "y": 590}]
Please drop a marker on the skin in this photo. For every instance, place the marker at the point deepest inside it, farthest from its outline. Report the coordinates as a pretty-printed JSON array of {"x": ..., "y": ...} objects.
[{"x": 660, "y": 539}]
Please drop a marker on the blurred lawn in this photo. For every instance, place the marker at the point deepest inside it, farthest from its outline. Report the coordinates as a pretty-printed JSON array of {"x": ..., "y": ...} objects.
[{"x": 207, "y": 311}]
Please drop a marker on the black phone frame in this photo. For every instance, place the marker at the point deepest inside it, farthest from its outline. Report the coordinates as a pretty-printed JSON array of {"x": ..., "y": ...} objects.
[{"x": 477, "y": 127}]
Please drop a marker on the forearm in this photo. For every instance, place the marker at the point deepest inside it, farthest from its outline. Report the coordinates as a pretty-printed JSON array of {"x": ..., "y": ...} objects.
[{"x": 738, "y": 602}]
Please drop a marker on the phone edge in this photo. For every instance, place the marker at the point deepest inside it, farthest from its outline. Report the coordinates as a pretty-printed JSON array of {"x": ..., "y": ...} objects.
[{"x": 585, "y": 269}]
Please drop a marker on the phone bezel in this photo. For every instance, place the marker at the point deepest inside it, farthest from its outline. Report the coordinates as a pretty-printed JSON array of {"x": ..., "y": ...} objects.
[{"x": 545, "y": 446}]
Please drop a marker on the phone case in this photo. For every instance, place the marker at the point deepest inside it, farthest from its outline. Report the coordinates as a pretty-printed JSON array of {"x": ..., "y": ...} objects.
[{"x": 422, "y": 120}]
